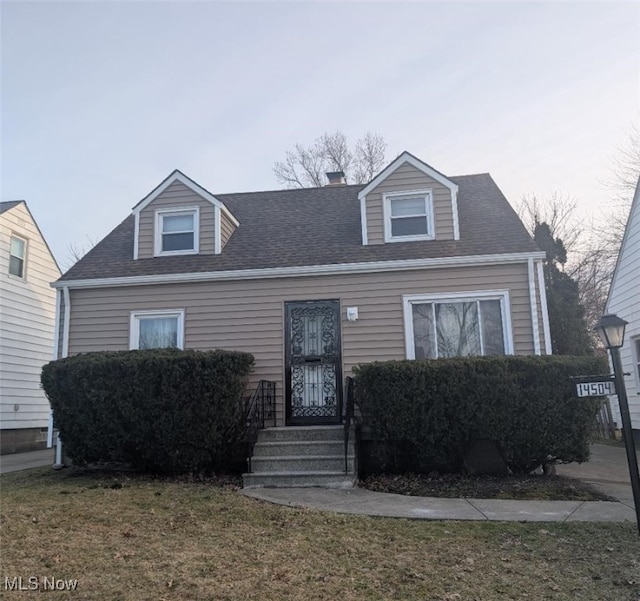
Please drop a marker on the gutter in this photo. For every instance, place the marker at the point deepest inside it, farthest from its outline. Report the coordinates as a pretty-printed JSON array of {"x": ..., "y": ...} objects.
[{"x": 303, "y": 270}]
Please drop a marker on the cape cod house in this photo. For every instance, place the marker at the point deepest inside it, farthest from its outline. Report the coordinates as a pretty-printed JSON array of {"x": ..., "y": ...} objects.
[
  {"x": 415, "y": 264},
  {"x": 624, "y": 301},
  {"x": 27, "y": 315}
]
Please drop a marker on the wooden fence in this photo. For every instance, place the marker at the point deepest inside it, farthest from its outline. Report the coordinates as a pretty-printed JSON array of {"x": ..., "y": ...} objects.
[{"x": 604, "y": 426}]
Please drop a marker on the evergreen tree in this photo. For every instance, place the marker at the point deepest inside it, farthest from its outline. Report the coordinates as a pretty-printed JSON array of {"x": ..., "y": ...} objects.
[{"x": 569, "y": 331}]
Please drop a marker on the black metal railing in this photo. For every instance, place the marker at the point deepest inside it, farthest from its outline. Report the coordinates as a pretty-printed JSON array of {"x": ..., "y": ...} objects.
[
  {"x": 260, "y": 409},
  {"x": 349, "y": 411}
]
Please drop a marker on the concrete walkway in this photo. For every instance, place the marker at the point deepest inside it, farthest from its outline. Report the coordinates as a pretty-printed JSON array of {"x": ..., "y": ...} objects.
[
  {"x": 25, "y": 461},
  {"x": 607, "y": 470}
]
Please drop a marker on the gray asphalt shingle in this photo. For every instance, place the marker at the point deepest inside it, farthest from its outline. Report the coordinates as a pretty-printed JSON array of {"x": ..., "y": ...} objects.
[{"x": 315, "y": 226}]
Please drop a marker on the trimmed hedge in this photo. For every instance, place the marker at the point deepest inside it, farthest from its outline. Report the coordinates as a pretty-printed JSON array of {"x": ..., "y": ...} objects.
[
  {"x": 161, "y": 410},
  {"x": 428, "y": 413}
]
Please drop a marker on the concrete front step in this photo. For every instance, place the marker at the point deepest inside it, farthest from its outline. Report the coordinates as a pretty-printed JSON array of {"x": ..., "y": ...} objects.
[
  {"x": 303, "y": 433},
  {"x": 302, "y": 463},
  {"x": 300, "y": 447},
  {"x": 306, "y": 479},
  {"x": 302, "y": 456}
]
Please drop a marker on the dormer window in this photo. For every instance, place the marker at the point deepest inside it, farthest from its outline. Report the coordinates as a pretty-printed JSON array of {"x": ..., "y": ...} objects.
[
  {"x": 177, "y": 231},
  {"x": 408, "y": 216}
]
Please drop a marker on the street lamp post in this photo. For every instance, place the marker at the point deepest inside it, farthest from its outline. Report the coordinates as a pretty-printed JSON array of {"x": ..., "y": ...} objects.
[{"x": 611, "y": 330}]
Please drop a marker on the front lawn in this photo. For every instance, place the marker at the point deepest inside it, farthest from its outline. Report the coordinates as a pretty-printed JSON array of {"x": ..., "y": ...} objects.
[{"x": 128, "y": 537}]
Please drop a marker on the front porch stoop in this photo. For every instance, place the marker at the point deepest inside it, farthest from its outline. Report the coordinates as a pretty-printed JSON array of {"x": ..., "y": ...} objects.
[{"x": 304, "y": 456}]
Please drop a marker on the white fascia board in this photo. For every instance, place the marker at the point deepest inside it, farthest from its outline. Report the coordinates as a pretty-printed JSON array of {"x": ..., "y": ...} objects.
[
  {"x": 454, "y": 207},
  {"x": 405, "y": 157},
  {"x": 136, "y": 235},
  {"x": 217, "y": 226},
  {"x": 67, "y": 319},
  {"x": 363, "y": 221},
  {"x": 178, "y": 176},
  {"x": 534, "y": 308},
  {"x": 545, "y": 311},
  {"x": 303, "y": 270}
]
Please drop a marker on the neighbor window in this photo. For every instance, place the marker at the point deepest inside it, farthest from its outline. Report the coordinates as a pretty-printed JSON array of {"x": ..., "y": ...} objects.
[
  {"x": 157, "y": 329},
  {"x": 408, "y": 216},
  {"x": 17, "y": 256},
  {"x": 459, "y": 326},
  {"x": 177, "y": 232}
]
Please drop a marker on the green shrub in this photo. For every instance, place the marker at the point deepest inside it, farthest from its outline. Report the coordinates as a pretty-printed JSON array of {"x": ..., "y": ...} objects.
[
  {"x": 426, "y": 414},
  {"x": 160, "y": 410}
]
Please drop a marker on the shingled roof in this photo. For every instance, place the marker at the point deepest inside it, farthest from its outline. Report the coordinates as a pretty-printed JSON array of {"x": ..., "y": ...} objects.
[
  {"x": 315, "y": 226},
  {"x": 9, "y": 204}
]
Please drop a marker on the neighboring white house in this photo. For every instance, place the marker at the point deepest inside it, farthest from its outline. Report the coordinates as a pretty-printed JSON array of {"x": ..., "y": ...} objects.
[
  {"x": 27, "y": 311},
  {"x": 624, "y": 301}
]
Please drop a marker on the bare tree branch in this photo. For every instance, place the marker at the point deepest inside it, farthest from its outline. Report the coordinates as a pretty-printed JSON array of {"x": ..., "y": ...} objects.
[
  {"x": 75, "y": 252},
  {"x": 369, "y": 157},
  {"x": 307, "y": 166}
]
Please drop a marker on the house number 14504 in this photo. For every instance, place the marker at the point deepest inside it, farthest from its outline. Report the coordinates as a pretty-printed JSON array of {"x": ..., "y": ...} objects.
[{"x": 595, "y": 388}]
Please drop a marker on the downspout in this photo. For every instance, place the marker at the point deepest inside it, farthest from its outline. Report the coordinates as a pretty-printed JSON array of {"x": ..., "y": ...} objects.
[
  {"x": 54, "y": 356},
  {"x": 534, "y": 308},
  {"x": 59, "y": 464}
]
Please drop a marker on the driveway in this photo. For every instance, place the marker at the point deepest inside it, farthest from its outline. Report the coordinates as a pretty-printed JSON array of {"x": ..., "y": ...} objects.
[
  {"x": 25, "y": 461},
  {"x": 607, "y": 470}
]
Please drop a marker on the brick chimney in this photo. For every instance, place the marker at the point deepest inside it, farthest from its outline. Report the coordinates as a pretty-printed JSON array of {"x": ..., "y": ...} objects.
[{"x": 336, "y": 178}]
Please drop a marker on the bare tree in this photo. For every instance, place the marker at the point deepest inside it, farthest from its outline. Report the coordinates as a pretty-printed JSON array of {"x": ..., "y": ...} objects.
[
  {"x": 592, "y": 249},
  {"x": 369, "y": 157},
  {"x": 558, "y": 212},
  {"x": 306, "y": 166},
  {"x": 75, "y": 252}
]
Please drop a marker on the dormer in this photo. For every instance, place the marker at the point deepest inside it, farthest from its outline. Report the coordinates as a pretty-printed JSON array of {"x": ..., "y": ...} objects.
[
  {"x": 409, "y": 201},
  {"x": 179, "y": 217}
]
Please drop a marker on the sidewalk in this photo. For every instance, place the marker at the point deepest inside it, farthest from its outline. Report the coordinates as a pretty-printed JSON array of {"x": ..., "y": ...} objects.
[
  {"x": 607, "y": 470},
  {"x": 24, "y": 461}
]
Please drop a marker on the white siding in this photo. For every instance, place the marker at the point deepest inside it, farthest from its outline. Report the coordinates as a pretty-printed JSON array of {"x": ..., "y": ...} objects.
[
  {"x": 624, "y": 301},
  {"x": 27, "y": 309}
]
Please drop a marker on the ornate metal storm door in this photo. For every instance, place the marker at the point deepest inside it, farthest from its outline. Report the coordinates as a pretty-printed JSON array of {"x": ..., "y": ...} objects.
[{"x": 313, "y": 363}]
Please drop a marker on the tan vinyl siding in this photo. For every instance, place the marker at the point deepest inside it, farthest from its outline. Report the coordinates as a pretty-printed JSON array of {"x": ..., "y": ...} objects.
[
  {"x": 227, "y": 227},
  {"x": 407, "y": 177},
  {"x": 248, "y": 315},
  {"x": 174, "y": 197}
]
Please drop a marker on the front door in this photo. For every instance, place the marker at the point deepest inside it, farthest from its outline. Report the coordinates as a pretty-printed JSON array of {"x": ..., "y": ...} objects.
[{"x": 313, "y": 362}]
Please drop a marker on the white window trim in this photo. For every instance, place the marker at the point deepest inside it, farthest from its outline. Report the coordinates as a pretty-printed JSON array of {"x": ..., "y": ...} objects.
[
  {"x": 408, "y": 300},
  {"x": 386, "y": 201},
  {"x": 23, "y": 277},
  {"x": 159, "y": 214},
  {"x": 134, "y": 325}
]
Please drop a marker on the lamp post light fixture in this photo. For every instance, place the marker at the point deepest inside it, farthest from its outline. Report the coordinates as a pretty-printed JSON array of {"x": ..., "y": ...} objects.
[{"x": 611, "y": 330}]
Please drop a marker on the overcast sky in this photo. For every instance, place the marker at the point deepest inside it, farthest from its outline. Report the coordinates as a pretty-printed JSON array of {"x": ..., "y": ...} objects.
[{"x": 102, "y": 100}]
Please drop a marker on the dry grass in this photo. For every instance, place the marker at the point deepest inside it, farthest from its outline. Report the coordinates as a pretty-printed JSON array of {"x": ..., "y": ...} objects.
[{"x": 126, "y": 537}]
